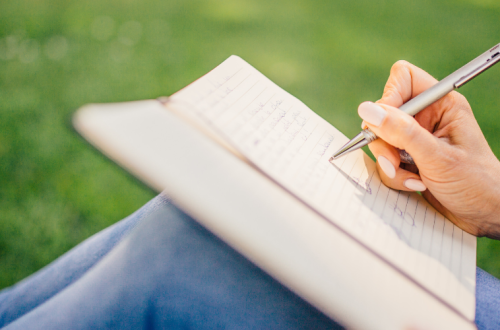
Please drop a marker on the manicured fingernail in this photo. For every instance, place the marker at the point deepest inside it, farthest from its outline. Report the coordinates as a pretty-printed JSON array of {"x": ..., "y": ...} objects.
[
  {"x": 387, "y": 167},
  {"x": 372, "y": 113},
  {"x": 414, "y": 184}
]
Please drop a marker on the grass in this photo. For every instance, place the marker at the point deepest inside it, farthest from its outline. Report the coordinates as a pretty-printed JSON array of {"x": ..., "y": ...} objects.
[{"x": 56, "y": 56}]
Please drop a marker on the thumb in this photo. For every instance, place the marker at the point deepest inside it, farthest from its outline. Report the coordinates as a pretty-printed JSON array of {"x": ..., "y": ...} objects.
[{"x": 399, "y": 129}]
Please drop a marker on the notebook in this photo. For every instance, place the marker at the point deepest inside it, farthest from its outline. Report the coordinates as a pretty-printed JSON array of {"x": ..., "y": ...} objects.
[{"x": 251, "y": 163}]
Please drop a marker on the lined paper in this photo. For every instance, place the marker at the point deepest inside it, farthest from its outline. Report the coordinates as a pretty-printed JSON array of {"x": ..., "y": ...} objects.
[{"x": 292, "y": 145}]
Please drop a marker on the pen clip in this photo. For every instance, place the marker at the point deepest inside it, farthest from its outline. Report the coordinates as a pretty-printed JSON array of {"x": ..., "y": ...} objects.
[{"x": 488, "y": 63}]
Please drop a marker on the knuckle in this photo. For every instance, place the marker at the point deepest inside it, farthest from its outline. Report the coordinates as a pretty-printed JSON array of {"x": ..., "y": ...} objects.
[
  {"x": 389, "y": 91},
  {"x": 406, "y": 128},
  {"x": 460, "y": 101},
  {"x": 453, "y": 158},
  {"x": 458, "y": 98},
  {"x": 399, "y": 66},
  {"x": 411, "y": 128}
]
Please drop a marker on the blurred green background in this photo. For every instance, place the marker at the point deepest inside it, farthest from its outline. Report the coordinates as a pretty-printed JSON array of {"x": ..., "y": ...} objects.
[{"x": 56, "y": 56}]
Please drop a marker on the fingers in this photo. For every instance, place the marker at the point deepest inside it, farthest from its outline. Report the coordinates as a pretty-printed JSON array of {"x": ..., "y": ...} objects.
[
  {"x": 381, "y": 148},
  {"x": 405, "y": 82},
  {"x": 388, "y": 167},
  {"x": 399, "y": 130}
]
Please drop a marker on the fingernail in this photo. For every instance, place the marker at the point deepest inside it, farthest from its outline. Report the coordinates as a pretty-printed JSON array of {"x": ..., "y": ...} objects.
[
  {"x": 363, "y": 125},
  {"x": 414, "y": 184},
  {"x": 387, "y": 167},
  {"x": 372, "y": 113}
]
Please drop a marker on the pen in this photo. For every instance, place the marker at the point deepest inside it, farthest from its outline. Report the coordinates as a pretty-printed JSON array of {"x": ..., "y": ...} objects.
[{"x": 455, "y": 80}]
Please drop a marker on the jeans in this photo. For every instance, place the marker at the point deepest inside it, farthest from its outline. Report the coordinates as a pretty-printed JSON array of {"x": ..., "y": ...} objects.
[{"x": 159, "y": 269}]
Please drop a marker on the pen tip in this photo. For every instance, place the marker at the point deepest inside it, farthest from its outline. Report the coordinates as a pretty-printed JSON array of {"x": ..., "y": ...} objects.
[
  {"x": 335, "y": 155},
  {"x": 357, "y": 142}
]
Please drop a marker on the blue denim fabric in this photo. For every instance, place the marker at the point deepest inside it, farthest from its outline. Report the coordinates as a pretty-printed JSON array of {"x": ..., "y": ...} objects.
[
  {"x": 170, "y": 272},
  {"x": 44, "y": 284},
  {"x": 487, "y": 301}
]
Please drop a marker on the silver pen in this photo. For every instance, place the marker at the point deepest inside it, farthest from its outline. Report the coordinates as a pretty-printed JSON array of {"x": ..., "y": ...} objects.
[{"x": 455, "y": 80}]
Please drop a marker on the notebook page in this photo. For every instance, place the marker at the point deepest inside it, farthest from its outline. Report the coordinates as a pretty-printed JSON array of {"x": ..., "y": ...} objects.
[{"x": 291, "y": 144}]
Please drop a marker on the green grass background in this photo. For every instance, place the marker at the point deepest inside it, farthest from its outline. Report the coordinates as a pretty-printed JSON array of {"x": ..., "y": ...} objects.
[{"x": 56, "y": 56}]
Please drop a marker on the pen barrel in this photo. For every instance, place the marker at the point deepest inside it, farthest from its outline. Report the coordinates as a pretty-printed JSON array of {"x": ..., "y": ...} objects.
[
  {"x": 431, "y": 95},
  {"x": 453, "y": 81},
  {"x": 428, "y": 97}
]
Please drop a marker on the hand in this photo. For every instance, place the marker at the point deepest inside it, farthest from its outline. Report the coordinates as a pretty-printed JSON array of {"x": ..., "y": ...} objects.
[{"x": 457, "y": 171}]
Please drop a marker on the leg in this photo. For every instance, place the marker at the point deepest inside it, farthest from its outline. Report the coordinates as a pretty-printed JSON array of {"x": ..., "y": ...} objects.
[
  {"x": 487, "y": 301},
  {"x": 172, "y": 273},
  {"x": 44, "y": 284}
]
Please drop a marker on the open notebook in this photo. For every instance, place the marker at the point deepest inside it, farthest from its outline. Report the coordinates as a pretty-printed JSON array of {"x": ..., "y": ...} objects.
[{"x": 367, "y": 255}]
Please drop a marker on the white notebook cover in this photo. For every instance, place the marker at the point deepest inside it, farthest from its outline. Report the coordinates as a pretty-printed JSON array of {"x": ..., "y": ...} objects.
[{"x": 257, "y": 217}]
